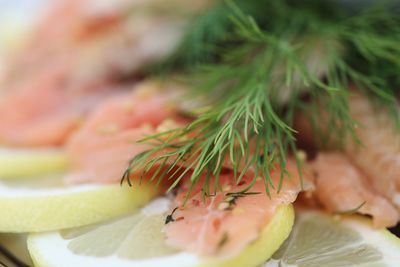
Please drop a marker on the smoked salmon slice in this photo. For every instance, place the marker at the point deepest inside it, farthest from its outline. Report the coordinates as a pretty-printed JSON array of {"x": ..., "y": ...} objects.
[
  {"x": 100, "y": 151},
  {"x": 102, "y": 39},
  {"x": 376, "y": 154},
  {"x": 45, "y": 112},
  {"x": 379, "y": 155},
  {"x": 341, "y": 187},
  {"x": 78, "y": 50},
  {"x": 225, "y": 222}
]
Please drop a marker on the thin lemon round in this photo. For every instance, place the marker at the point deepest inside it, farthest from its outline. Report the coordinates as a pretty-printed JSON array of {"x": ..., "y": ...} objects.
[
  {"x": 318, "y": 239},
  {"x": 46, "y": 204},
  {"x": 138, "y": 240},
  {"x": 18, "y": 163}
]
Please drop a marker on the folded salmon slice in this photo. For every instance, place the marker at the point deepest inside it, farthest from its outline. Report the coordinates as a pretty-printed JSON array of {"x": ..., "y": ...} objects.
[
  {"x": 224, "y": 223},
  {"x": 100, "y": 151},
  {"x": 379, "y": 154},
  {"x": 69, "y": 57},
  {"x": 44, "y": 112},
  {"x": 341, "y": 187},
  {"x": 86, "y": 31}
]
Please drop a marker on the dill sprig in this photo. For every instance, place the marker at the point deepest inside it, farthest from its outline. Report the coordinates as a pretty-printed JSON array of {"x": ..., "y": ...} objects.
[
  {"x": 350, "y": 211},
  {"x": 253, "y": 75}
]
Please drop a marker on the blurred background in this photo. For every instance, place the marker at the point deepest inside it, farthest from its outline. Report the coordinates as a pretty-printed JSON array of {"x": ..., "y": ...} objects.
[{"x": 17, "y": 18}]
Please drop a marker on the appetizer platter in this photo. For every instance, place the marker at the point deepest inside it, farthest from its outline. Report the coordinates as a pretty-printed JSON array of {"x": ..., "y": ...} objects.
[{"x": 141, "y": 133}]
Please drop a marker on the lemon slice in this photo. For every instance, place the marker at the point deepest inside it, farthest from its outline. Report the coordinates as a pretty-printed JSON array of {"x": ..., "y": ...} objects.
[
  {"x": 138, "y": 241},
  {"x": 320, "y": 240},
  {"x": 47, "y": 204},
  {"x": 17, "y": 163}
]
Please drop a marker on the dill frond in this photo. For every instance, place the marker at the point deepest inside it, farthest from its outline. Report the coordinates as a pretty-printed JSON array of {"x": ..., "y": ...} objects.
[
  {"x": 350, "y": 211},
  {"x": 252, "y": 71}
]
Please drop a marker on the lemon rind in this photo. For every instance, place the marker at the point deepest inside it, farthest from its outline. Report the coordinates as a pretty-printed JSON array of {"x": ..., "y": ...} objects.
[
  {"x": 21, "y": 163},
  {"x": 55, "y": 212}
]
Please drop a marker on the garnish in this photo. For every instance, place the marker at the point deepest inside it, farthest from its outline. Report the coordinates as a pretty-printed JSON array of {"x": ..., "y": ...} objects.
[
  {"x": 230, "y": 199},
  {"x": 242, "y": 194},
  {"x": 350, "y": 211},
  {"x": 223, "y": 241},
  {"x": 170, "y": 217},
  {"x": 251, "y": 69}
]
